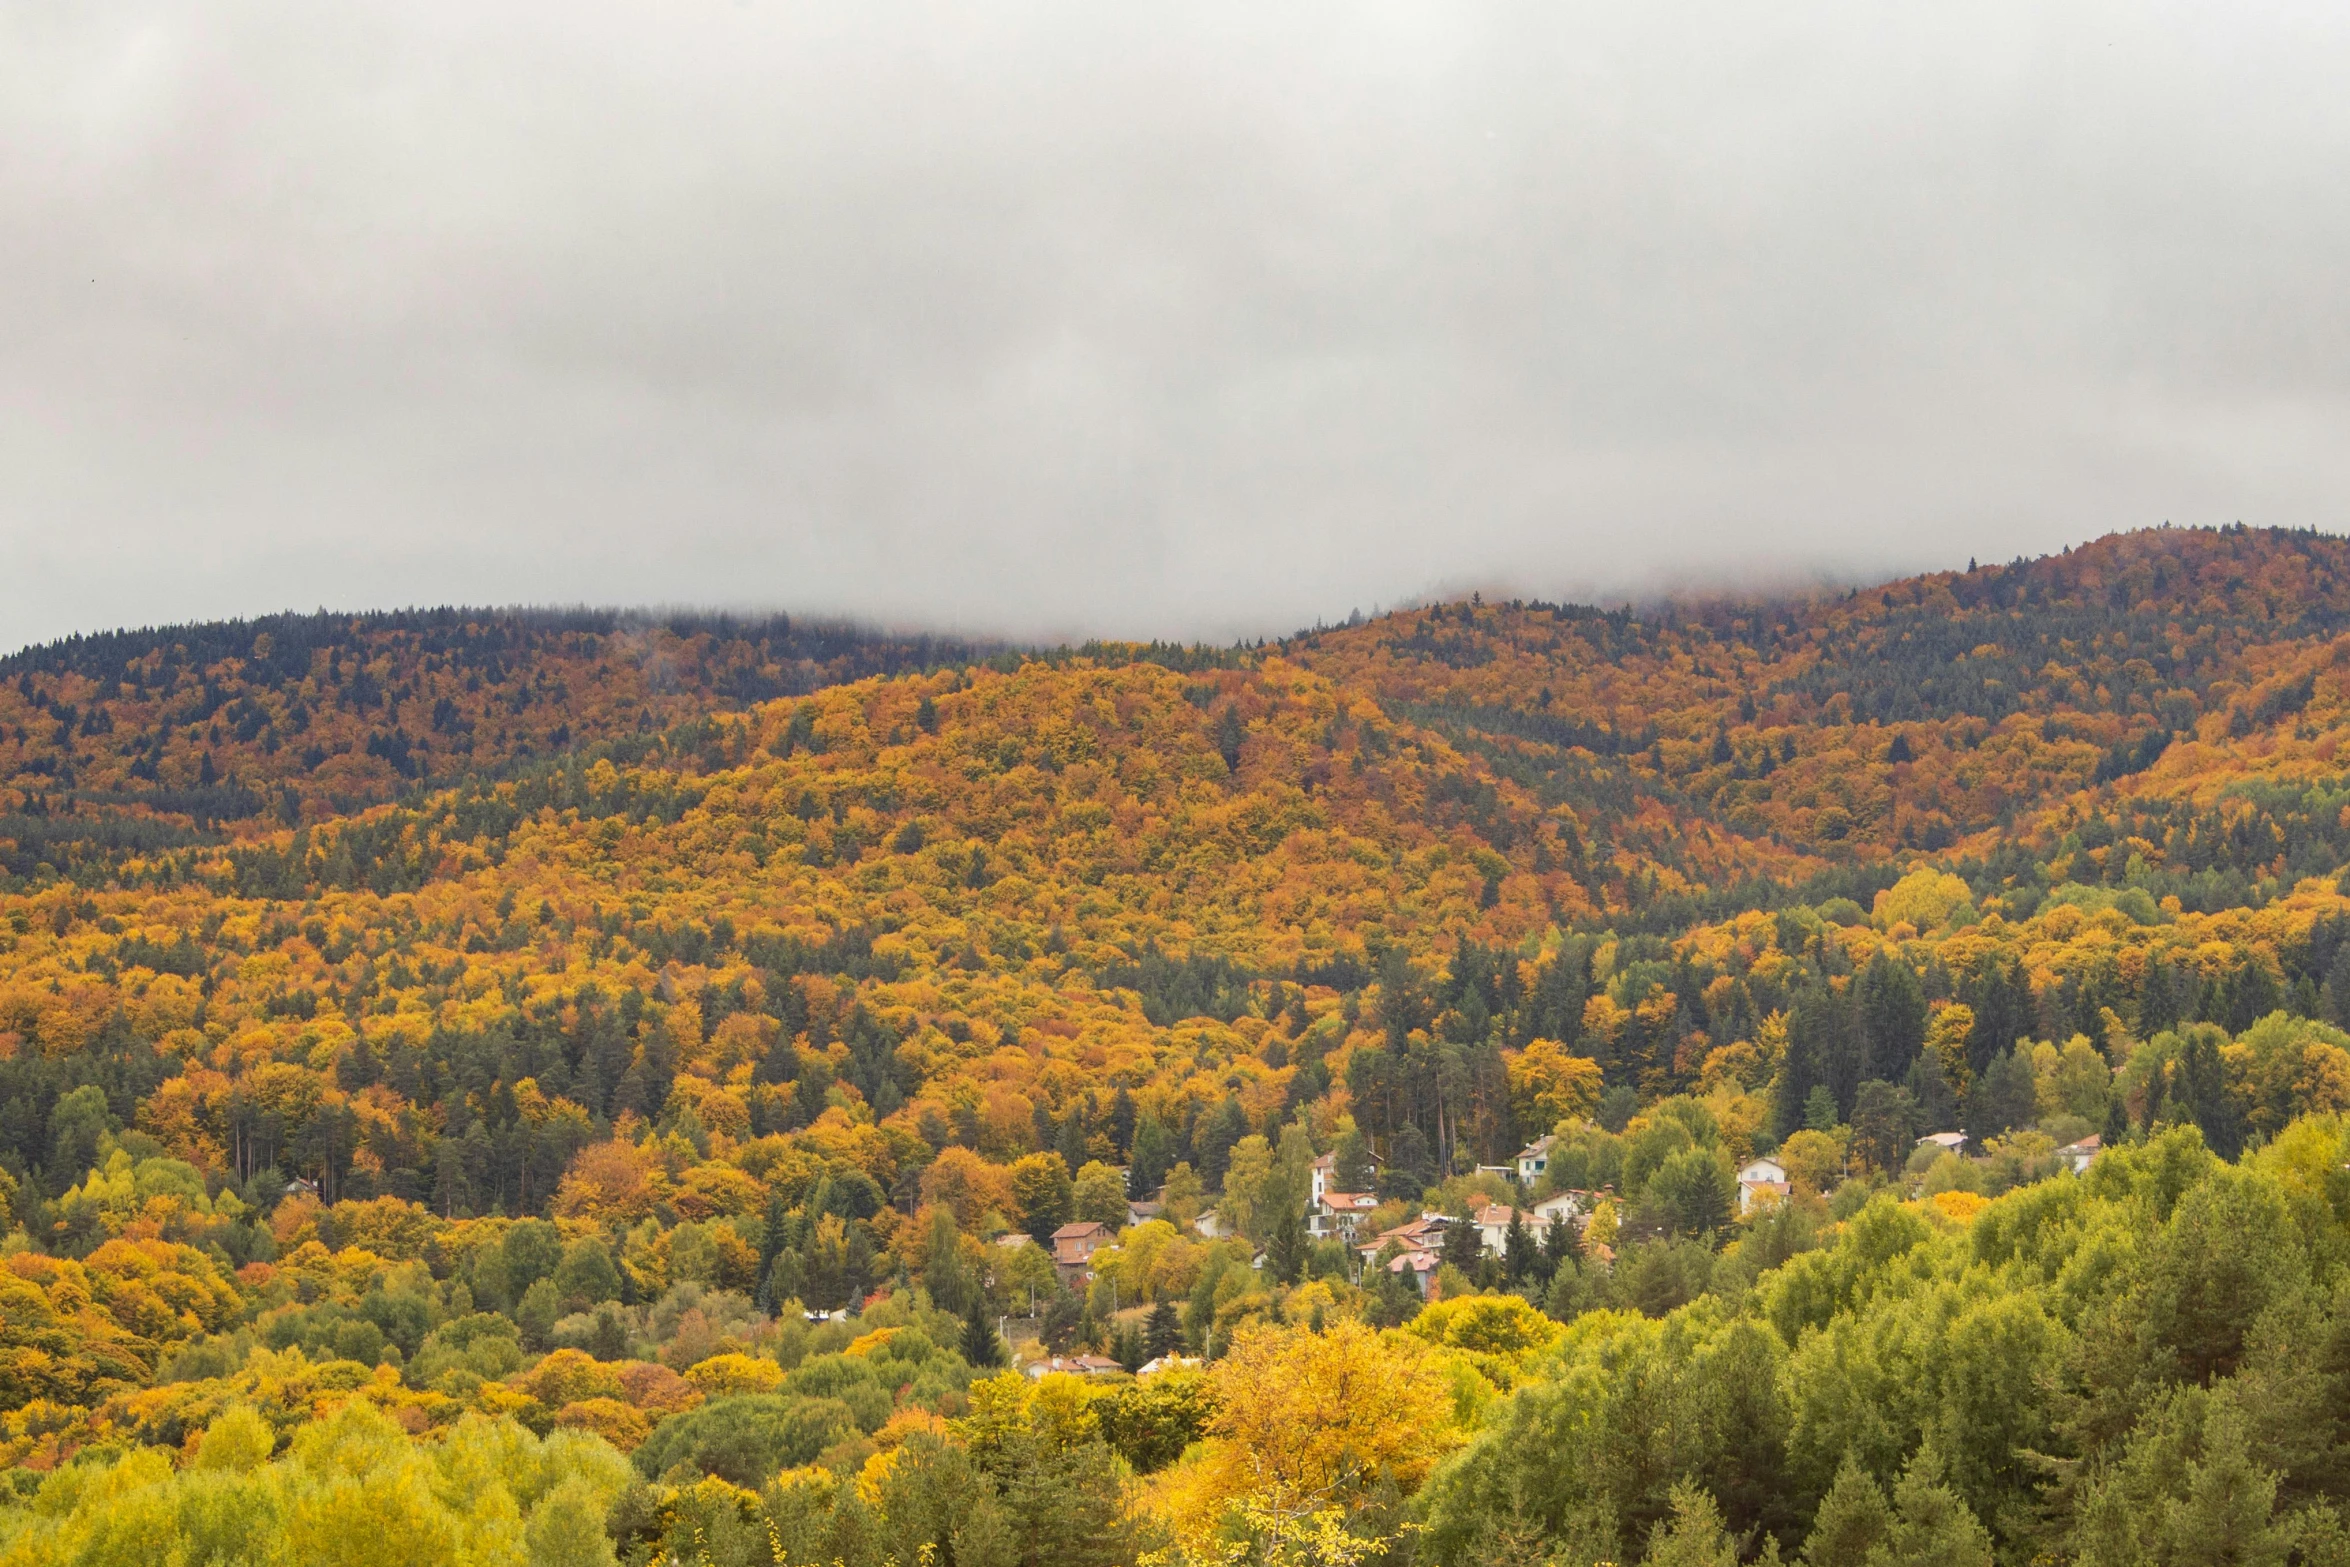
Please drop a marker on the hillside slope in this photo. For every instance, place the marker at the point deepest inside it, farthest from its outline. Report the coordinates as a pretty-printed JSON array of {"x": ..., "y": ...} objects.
[
  {"x": 611, "y": 985},
  {"x": 137, "y": 739},
  {"x": 1913, "y": 716}
]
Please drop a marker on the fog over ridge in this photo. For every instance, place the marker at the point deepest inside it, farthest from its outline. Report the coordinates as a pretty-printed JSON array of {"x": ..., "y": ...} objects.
[{"x": 1047, "y": 322}]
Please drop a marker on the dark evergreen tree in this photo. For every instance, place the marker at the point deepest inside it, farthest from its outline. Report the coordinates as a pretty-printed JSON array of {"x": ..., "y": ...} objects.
[
  {"x": 1823, "y": 1051},
  {"x": 1122, "y": 1124},
  {"x": 1562, "y": 1244},
  {"x": 1216, "y": 1136},
  {"x": 1070, "y": 1145},
  {"x": 1464, "y": 1243},
  {"x": 2163, "y": 1000},
  {"x": 1519, "y": 1256},
  {"x": 981, "y": 1347},
  {"x": 1929, "y": 1090},
  {"x": 1163, "y": 1331},
  {"x": 2247, "y": 996},
  {"x": 2335, "y": 996},
  {"x": 2001, "y": 997},
  {"x": 1884, "y": 1125},
  {"x": 2117, "y": 1121},
  {"x": 1822, "y": 1030},
  {"x": 1411, "y": 1170},
  {"x": 1555, "y": 1009},
  {"x": 2002, "y": 1097},
  {"x": 1287, "y": 1244},
  {"x": 1154, "y": 1154},
  {"x": 1892, "y": 1017},
  {"x": 2199, "y": 1089}
]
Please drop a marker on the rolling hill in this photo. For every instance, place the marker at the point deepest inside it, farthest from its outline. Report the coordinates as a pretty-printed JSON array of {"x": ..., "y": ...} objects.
[{"x": 723, "y": 963}]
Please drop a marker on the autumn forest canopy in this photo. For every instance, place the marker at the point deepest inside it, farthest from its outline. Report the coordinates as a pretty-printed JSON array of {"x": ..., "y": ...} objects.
[{"x": 1855, "y": 1078}]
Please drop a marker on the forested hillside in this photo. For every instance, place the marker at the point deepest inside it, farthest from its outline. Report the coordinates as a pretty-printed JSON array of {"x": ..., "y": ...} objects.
[
  {"x": 571, "y": 1088},
  {"x": 133, "y": 741}
]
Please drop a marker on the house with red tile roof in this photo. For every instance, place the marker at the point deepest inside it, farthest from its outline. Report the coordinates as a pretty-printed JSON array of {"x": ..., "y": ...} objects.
[{"x": 1074, "y": 1246}]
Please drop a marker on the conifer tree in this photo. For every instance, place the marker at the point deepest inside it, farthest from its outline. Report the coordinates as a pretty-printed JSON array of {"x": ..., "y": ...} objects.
[
  {"x": 1163, "y": 1330},
  {"x": 1518, "y": 1253},
  {"x": 1228, "y": 738},
  {"x": 981, "y": 1347},
  {"x": 1463, "y": 1242},
  {"x": 1286, "y": 1240},
  {"x": 1562, "y": 1243},
  {"x": 2227, "y": 1512},
  {"x": 1932, "y": 1527},
  {"x": 1693, "y": 1536},
  {"x": 1853, "y": 1520}
]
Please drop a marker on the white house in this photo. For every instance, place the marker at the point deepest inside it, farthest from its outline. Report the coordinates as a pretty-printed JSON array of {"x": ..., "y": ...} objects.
[
  {"x": 1338, "y": 1213},
  {"x": 1948, "y": 1142},
  {"x": 1762, "y": 1184},
  {"x": 1575, "y": 1207},
  {"x": 1320, "y": 1172},
  {"x": 1323, "y": 1174},
  {"x": 1534, "y": 1159},
  {"x": 1493, "y": 1226},
  {"x": 1151, "y": 1368},
  {"x": 2079, "y": 1154},
  {"x": 1073, "y": 1365}
]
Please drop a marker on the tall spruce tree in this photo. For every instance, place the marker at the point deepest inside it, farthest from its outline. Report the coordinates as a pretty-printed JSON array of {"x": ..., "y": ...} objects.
[{"x": 981, "y": 1347}]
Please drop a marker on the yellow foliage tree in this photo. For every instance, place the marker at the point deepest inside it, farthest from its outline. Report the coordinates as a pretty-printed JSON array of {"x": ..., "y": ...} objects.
[
  {"x": 1548, "y": 1085},
  {"x": 1925, "y": 900},
  {"x": 1308, "y": 1421}
]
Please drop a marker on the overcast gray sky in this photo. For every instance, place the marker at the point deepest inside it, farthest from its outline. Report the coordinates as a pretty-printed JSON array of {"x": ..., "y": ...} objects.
[{"x": 1180, "y": 320}]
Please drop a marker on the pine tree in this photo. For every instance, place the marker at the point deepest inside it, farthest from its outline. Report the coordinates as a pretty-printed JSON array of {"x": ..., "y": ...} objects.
[
  {"x": 944, "y": 1274},
  {"x": 608, "y": 1338},
  {"x": 1463, "y": 1242},
  {"x": 1932, "y": 1527},
  {"x": 981, "y": 1348},
  {"x": 1853, "y": 1520},
  {"x": 1228, "y": 738},
  {"x": 1153, "y": 1156},
  {"x": 1228, "y": 1125},
  {"x": 1518, "y": 1253},
  {"x": 2227, "y": 1513},
  {"x": 1163, "y": 1331},
  {"x": 1285, "y": 1246},
  {"x": 1892, "y": 1017},
  {"x": 1121, "y": 1126},
  {"x": 2202, "y": 1085},
  {"x": 1562, "y": 1243},
  {"x": 1693, "y": 1536},
  {"x": 1070, "y": 1145}
]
